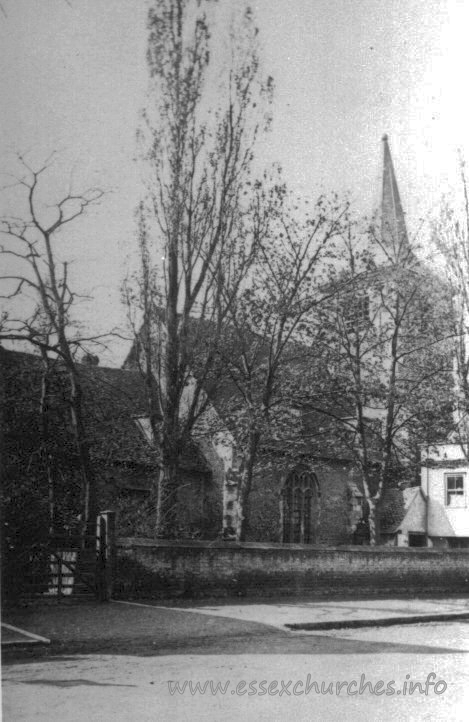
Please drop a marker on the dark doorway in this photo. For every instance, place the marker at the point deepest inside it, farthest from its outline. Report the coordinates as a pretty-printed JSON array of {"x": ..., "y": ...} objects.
[{"x": 417, "y": 539}]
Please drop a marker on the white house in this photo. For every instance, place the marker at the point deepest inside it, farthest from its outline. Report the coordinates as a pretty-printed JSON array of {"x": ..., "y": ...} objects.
[{"x": 436, "y": 513}]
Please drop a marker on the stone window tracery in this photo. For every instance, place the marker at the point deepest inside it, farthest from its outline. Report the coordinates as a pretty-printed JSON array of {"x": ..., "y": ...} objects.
[{"x": 300, "y": 497}]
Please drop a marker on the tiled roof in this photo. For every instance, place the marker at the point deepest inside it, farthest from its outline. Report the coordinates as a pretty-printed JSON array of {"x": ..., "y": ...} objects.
[
  {"x": 396, "y": 505},
  {"x": 111, "y": 399},
  {"x": 438, "y": 522},
  {"x": 409, "y": 495},
  {"x": 393, "y": 509}
]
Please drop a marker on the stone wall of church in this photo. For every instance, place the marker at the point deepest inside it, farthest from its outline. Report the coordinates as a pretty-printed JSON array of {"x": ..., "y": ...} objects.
[
  {"x": 336, "y": 518},
  {"x": 200, "y": 512}
]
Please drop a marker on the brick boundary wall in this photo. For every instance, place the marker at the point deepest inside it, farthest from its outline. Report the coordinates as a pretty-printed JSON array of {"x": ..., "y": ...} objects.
[{"x": 160, "y": 569}]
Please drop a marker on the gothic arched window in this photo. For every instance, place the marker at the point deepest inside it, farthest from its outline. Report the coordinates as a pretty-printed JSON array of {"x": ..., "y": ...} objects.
[{"x": 300, "y": 507}]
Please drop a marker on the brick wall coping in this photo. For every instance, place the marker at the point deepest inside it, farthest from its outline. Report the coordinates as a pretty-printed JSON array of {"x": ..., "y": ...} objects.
[{"x": 136, "y": 542}]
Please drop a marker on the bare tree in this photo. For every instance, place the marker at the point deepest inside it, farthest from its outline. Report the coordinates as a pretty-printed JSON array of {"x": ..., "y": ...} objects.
[
  {"x": 451, "y": 241},
  {"x": 267, "y": 344},
  {"x": 385, "y": 365},
  {"x": 38, "y": 275},
  {"x": 200, "y": 221}
]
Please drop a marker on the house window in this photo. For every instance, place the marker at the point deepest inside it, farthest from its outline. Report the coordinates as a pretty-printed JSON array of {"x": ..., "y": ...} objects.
[
  {"x": 356, "y": 311},
  {"x": 300, "y": 507},
  {"x": 455, "y": 495}
]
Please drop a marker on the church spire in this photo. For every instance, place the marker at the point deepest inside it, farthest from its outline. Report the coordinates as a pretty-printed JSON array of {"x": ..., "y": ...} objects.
[{"x": 393, "y": 227}]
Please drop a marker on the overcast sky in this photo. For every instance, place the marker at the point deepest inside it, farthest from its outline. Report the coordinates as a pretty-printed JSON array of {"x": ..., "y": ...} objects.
[{"x": 346, "y": 71}]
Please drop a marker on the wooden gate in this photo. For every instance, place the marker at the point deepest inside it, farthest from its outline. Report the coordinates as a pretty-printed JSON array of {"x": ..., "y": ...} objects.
[{"x": 69, "y": 566}]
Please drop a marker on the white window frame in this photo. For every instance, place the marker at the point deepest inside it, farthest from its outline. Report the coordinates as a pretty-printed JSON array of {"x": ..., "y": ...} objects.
[{"x": 455, "y": 498}]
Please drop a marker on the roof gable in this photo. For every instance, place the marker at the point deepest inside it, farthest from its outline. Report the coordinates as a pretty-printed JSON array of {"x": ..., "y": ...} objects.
[{"x": 407, "y": 511}]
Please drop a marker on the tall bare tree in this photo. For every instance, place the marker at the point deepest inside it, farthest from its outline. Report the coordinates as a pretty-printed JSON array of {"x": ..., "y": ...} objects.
[
  {"x": 201, "y": 219},
  {"x": 385, "y": 365},
  {"x": 451, "y": 241},
  {"x": 38, "y": 276},
  {"x": 266, "y": 345}
]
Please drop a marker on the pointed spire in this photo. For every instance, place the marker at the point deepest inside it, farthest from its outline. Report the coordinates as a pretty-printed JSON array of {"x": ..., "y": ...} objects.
[{"x": 393, "y": 226}]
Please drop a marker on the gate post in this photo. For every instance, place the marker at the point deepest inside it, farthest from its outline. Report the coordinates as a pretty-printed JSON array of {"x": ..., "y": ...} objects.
[{"x": 105, "y": 547}]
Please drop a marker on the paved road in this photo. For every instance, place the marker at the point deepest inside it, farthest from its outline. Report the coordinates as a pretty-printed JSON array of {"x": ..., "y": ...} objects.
[{"x": 124, "y": 687}]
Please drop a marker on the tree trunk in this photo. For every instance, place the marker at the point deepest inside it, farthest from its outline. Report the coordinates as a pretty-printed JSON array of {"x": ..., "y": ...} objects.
[
  {"x": 166, "y": 511},
  {"x": 89, "y": 492},
  {"x": 243, "y": 509},
  {"x": 245, "y": 484},
  {"x": 45, "y": 444},
  {"x": 373, "y": 521}
]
